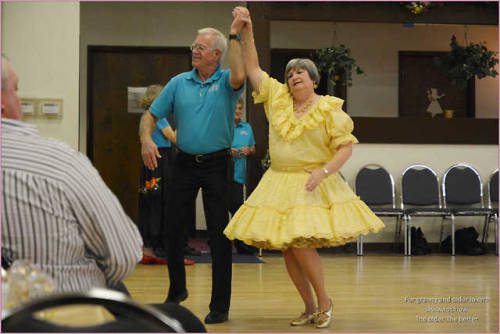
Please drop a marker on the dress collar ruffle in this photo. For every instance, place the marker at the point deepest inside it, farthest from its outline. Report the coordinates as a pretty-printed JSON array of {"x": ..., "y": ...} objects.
[{"x": 289, "y": 127}]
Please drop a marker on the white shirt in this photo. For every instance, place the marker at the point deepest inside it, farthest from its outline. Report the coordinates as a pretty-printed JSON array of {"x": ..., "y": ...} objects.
[{"x": 58, "y": 213}]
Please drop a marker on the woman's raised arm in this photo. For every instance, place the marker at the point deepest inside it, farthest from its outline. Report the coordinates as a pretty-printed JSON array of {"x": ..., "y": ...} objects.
[{"x": 253, "y": 69}]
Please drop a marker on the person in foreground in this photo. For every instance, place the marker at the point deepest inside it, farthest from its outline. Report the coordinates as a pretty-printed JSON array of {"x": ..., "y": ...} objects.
[
  {"x": 57, "y": 212},
  {"x": 301, "y": 202},
  {"x": 203, "y": 103}
]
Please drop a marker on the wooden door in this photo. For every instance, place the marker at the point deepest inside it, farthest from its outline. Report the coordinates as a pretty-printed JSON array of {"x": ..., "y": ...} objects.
[
  {"x": 418, "y": 73},
  {"x": 112, "y": 134}
]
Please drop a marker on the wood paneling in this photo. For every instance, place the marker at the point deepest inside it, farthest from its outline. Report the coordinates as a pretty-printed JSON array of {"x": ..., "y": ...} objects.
[
  {"x": 113, "y": 140},
  {"x": 255, "y": 112},
  {"x": 480, "y": 13},
  {"x": 416, "y": 130}
]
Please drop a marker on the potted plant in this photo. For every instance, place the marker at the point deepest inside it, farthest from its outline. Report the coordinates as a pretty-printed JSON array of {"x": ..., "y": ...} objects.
[
  {"x": 464, "y": 62},
  {"x": 337, "y": 62}
]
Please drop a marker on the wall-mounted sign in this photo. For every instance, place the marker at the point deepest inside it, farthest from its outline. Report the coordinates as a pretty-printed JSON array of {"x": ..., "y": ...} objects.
[
  {"x": 134, "y": 95},
  {"x": 28, "y": 106},
  {"x": 50, "y": 108}
]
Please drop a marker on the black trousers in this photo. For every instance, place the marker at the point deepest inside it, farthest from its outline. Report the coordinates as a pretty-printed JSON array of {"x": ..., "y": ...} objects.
[
  {"x": 236, "y": 197},
  {"x": 212, "y": 176},
  {"x": 153, "y": 198}
]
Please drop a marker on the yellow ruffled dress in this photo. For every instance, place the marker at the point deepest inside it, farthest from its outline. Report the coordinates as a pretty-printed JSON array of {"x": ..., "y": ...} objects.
[{"x": 280, "y": 213}]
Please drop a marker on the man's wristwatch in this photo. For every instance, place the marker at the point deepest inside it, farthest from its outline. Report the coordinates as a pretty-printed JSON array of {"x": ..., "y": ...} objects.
[{"x": 234, "y": 36}]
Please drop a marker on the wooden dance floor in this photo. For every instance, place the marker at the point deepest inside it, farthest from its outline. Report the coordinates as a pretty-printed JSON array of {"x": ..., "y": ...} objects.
[{"x": 373, "y": 293}]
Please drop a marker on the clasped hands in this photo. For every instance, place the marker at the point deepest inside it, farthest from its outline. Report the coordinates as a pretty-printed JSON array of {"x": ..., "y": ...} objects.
[
  {"x": 242, "y": 151},
  {"x": 241, "y": 17}
]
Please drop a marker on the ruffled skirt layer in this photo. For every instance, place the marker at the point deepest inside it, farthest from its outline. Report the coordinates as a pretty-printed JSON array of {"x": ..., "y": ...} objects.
[{"x": 280, "y": 213}]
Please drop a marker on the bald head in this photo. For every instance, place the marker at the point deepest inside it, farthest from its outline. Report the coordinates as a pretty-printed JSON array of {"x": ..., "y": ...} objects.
[{"x": 11, "y": 104}]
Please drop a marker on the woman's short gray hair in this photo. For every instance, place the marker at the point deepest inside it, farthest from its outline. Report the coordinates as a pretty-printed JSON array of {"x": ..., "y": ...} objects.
[
  {"x": 220, "y": 41},
  {"x": 305, "y": 64}
]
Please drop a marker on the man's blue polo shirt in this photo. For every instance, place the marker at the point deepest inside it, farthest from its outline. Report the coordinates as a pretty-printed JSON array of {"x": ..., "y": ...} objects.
[
  {"x": 243, "y": 136},
  {"x": 158, "y": 136},
  {"x": 203, "y": 111}
]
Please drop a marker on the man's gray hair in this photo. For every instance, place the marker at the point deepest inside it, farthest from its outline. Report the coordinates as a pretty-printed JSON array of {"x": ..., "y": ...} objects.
[
  {"x": 219, "y": 42},
  {"x": 304, "y": 64},
  {"x": 5, "y": 73}
]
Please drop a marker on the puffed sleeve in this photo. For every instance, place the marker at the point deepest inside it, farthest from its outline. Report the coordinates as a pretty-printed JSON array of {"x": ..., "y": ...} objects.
[
  {"x": 262, "y": 95},
  {"x": 272, "y": 93},
  {"x": 339, "y": 125}
]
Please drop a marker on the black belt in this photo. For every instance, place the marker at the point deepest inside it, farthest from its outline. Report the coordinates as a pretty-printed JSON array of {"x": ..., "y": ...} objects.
[{"x": 201, "y": 158}]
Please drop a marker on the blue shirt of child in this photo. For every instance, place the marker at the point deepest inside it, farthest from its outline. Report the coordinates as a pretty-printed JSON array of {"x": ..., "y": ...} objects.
[
  {"x": 243, "y": 136},
  {"x": 158, "y": 137}
]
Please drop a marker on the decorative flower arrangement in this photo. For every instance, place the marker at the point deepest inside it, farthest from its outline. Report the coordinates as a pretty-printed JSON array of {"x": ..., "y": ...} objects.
[
  {"x": 334, "y": 61},
  {"x": 464, "y": 62},
  {"x": 418, "y": 7}
]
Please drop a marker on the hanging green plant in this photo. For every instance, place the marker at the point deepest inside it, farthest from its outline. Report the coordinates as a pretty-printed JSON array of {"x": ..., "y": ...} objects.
[
  {"x": 418, "y": 7},
  {"x": 335, "y": 61},
  {"x": 464, "y": 62}
]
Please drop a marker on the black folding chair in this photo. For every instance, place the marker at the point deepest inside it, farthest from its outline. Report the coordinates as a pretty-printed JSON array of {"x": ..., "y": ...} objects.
[
  {"x": 420, "y": 197},
  {"x": 493, "y": 206},
  {"x": 130, "y": 316},
  {"x": 375, "y": 186},
  {"x": 463, "y": 195}
]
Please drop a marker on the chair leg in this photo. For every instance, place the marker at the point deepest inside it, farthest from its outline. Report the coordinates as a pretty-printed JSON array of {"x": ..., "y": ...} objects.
[
  {"x": 495, "y": 221},
  {"x": 397, "y": 233},
  {"x": 405, "y": 232},
  {"x": 441, "y": 234},
  {"x": 260, "y": 252},
  {"x": 408, "y": 233},
  {"x": 486, "y": 227},
  {"x": 452, "y": 235},
  {"x": 359, "y": 244}
]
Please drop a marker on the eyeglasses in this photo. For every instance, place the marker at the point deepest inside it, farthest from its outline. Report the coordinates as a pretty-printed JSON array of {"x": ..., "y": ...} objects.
[{"x": 200, "y": 48}]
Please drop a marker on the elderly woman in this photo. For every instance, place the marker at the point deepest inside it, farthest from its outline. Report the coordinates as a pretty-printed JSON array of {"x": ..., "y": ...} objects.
[{"x": 301, "y": 202}]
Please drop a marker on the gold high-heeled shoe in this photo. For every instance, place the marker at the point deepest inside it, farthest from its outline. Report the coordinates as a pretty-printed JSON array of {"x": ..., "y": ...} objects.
[
  {"x": 322, "y": 323},
  {"x": 303, "y": 319}
]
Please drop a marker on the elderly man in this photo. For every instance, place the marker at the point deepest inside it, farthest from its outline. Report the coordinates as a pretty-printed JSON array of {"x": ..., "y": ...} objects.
[
  {"x": 56, "y": 210},
  {"x": 203, "y": 102}
]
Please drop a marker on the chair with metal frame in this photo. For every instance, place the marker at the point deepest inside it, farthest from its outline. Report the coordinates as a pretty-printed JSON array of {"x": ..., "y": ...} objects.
[
  {"x": 420, "y": 197},
  {"x": 130, "y": 315},
  {"x": 375, "y": 186},
  {"x": 463, "y": 195},
  {"x": 493, "y": 206}
]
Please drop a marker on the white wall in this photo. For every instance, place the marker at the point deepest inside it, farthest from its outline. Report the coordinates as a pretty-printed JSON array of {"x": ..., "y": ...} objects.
[{"x": 42, "y": 42}]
